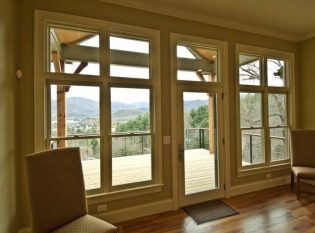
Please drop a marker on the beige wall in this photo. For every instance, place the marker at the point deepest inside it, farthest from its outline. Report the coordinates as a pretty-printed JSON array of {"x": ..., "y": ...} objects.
[
  {"x": 307, "y": 83},
  {"x": 8, "y": 213},
  {"x": 96, "y": 9}
]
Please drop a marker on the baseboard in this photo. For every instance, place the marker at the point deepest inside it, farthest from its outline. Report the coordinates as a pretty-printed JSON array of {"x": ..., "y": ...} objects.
[
  {"x": 259, "y": 185},
  {"x": 25, "y": 230},
  {"x": 136, "y": 211}
]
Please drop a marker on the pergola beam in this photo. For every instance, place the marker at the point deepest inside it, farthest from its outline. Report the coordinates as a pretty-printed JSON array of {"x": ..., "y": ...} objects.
[{"x": 127, "y": 58}]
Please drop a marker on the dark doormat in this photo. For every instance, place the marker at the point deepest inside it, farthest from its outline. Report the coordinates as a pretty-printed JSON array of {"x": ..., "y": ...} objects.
[{"x": 210, "y": 210}]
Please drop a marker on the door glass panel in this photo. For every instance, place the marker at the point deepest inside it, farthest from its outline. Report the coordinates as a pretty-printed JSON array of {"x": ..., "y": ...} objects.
[
  {"x": 200, "y": 142},
  {"x": 249, "y": 70},
  {"x": 276, "y": 72},
  {"x": 196, "y": 63},
  {"x": 131, "y": 135}
]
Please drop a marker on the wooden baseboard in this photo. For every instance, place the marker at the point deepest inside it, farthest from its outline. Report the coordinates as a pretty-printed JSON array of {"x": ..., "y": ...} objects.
[
  {"x": 25, "y": 230},
  {"x": 259, "y": 185},
  {"x": 136, "y": 211}
]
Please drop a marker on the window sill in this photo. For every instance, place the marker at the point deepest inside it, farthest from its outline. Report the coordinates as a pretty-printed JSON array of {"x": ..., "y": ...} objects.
[
  {"x": 117, "y": 195},
  {"x": 261, "y": 170}
]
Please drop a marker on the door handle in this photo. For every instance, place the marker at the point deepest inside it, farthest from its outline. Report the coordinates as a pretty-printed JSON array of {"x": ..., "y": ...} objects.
[{"x": 180, "y": 152}]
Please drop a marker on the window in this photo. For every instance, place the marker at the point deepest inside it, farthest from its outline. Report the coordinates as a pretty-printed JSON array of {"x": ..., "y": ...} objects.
[
  {"x": 264, "y": 94},
  {"x": 99, "y": 90}
]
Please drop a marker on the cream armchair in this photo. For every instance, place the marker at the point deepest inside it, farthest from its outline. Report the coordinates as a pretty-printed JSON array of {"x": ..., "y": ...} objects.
[
  {"x": 57, "y": 194},
  {"x": 303, "y": 157}
]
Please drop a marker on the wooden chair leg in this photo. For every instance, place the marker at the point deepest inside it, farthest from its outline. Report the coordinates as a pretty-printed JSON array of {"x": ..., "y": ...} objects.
[
  {"x": 298, "y": 187},
  {"x": 292, "y": 180}
]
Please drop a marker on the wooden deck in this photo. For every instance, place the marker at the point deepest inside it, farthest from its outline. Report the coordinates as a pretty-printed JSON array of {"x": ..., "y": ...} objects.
[{"x": 199, "y": 169}]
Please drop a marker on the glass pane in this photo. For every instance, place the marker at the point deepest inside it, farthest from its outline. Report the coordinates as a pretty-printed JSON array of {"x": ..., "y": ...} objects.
[
  {"x": 73, "y": 51},
  {"x": 131, "y": 153},
  {"x": 250, "y": 109},
  {"x": 75, "y": 110},
  {"x": 196, "y": 63},
  {"x": 131, "y": 159},
  {"x": 249, "y": 70},
  {"x": 252, "y": 147},
  {"x": 276, "y": 72},
  {"x": 277, "y": 110},
  {"x": 90, "y": 158},
  {"x": 129, "y": 57},
  {"x": 200, "y": 142},
  {"x": 279, "y": 144}
]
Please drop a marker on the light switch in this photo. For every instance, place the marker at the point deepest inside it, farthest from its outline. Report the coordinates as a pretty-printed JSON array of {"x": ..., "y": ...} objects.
[{"x": 166, "y": 140}]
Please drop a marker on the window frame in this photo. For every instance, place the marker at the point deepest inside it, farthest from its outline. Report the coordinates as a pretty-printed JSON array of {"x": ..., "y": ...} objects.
[
  {"x": 289, "y": 89},
  {"x": 43, "y": 78}
]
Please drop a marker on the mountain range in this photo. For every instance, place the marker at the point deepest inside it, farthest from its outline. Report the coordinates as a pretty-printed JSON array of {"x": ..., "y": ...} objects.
[{"x": 79, "y": 108}]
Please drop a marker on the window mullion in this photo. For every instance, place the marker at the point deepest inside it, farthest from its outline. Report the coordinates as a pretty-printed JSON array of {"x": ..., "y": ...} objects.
[
  {"x": 266, "y": 111},
  {"x": 105, "y": 112}
]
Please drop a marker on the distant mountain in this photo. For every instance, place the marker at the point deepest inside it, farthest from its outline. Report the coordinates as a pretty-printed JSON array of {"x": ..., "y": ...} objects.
[
  {"x": 79, "y": 108},
  {"x": 190, "y": 104}
]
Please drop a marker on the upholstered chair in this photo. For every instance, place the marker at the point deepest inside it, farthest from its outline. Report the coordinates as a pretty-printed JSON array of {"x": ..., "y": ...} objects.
[
  {"x": 57, "y": 194},
  {"x": 303, "y": 157}
]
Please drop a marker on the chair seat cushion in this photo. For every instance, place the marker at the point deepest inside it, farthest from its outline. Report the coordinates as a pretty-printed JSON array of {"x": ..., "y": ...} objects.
[
  {"x": 87, "y": 224},
  {"x": 304, "y": 172}
]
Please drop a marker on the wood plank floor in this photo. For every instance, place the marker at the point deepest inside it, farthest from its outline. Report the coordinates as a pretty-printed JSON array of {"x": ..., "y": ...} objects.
[{"x": 273, "y": 210}]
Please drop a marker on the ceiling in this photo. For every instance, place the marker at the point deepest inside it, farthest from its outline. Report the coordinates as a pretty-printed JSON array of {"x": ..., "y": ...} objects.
[{"x": 292, "y": 20}]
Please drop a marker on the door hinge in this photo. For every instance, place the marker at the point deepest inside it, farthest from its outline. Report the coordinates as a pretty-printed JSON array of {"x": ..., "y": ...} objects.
[
  {"x": 224, "y": 187},
  {"x": 223, "y": 141},
  {"x": 222, "y": 95}
]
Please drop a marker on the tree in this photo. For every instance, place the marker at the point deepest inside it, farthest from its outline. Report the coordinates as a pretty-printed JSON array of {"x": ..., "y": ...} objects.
[
  {"x": 199, "y": 117},
  {"x": 140, "y": 123},
  {"x": 94, "y": 144}
]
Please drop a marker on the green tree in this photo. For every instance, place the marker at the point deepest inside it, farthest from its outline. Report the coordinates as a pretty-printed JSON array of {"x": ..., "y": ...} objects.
[
  {"x": 199, "y": 117},
  {"x": 94, "y": 144},
  {"x": 140, "y": 123}
]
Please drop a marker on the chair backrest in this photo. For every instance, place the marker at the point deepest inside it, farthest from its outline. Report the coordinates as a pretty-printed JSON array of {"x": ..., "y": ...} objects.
[
  {"x": 303, "y": 148},
  {"x": 56, "y": 187}
]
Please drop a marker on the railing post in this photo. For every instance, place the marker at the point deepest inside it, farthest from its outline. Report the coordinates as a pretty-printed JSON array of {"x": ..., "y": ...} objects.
[
  {"x": 142, "y": 144},
  {"x": 251, "y": 149},
  {"x": 199, "y": 138}
]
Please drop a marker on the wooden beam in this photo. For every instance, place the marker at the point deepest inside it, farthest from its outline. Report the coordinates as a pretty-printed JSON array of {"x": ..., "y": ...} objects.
[
  {"x": 80, "y": 67},
  {"x": 127, "y": 58}
]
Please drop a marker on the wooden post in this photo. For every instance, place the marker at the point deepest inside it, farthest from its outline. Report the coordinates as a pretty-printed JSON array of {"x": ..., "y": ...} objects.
[
  {"x": 211, "y": 114},
  {"x": 61, "y": 101}
]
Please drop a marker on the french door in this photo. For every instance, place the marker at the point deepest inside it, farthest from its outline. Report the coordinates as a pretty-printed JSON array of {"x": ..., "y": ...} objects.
[{"x": 200, "y": 143}]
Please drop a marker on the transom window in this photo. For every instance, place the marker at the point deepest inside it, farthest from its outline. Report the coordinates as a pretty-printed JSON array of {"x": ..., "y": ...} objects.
[
  {"x": 264, "y": 95},
  {"x": 102, "y": 91}
]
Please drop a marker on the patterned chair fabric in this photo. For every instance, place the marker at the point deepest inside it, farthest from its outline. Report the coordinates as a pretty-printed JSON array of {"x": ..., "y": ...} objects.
[{"x": 57, "y": 193}]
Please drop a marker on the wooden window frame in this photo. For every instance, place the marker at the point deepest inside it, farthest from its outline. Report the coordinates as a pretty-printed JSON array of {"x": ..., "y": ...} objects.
[
  {"x": 265, "y": 90},
  {"x": 42, "y": 79}
]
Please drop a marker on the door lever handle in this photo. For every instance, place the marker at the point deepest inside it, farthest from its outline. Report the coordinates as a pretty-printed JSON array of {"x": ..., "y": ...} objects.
[{"x": 180, "y": 152}]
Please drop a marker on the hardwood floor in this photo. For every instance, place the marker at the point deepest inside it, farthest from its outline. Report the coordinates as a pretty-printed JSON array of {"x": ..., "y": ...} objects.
[{"x": 273, "y": 210}]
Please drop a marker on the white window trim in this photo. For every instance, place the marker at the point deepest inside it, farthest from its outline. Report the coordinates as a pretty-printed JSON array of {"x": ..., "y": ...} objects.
[
  {"x": 222, "y": 46},
  {"x": 45, "y": 18},
  {"x": 290, "y": 76}
]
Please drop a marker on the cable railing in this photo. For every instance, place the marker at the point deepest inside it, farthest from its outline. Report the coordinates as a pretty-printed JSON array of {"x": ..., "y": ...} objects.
[
  {"x": 252, "y": 152},
  {"x": 196, "y": 138}
]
